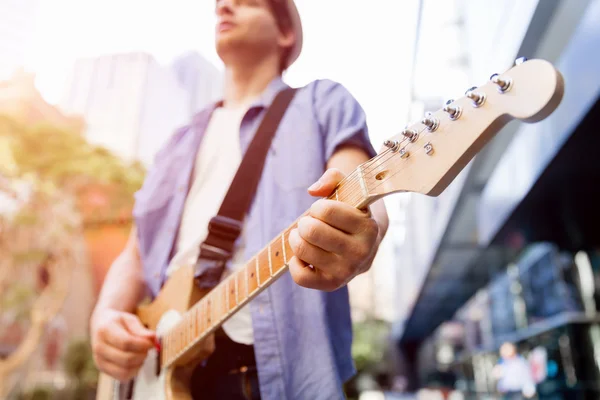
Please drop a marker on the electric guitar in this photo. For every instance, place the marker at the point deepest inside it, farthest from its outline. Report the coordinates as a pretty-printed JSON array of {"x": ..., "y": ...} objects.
[{"x": 424, "y": 158}]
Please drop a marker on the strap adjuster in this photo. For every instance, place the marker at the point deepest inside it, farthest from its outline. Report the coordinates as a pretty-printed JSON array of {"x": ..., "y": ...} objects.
[{"x": 224, "y": 227}]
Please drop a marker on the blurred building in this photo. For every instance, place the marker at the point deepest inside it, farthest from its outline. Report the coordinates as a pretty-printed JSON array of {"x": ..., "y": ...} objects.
[
  {"x": 132, "y": 104},
  {"x": 17, "y": 19},
  {"x": 509, "y": 250}
]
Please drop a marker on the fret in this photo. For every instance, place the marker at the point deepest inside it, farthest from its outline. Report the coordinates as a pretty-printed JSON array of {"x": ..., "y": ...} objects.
[
  {"x": 205, "y": 315},
  {"x": 198, "y": 321},
  {"x": 231, "y": 288},
  {"x": 270, "y": 262},
  {"x": 186, "y": 332},
  {"x": 283, "y": 248},
  {"x": 179, "y": 338},
  {"x": 363, "y": 185},
  {"x": 167, "y": 345},
  {"x": 209, "y": 309},
  {"x": 226, "y": 289},
  {"x": 247, "y": 285},
  {"x": 264, "y": 267},
  {"x": 218, "y": 305},
  {"x": 237, "y": 298},
  {"x": 252, "y": 280},
  {"x": 242, "y": 287},
  {"x": 336, "y": 195},
  {"x": 257, "y": 273},
  {"x": 276, "y": 256}
]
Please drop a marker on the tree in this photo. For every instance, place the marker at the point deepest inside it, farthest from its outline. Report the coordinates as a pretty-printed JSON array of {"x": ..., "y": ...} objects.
[{"x": 50, "y": 173}]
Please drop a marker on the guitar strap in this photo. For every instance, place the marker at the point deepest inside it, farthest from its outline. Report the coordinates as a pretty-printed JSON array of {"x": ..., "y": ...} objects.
[{"x": 226, "y": 226}]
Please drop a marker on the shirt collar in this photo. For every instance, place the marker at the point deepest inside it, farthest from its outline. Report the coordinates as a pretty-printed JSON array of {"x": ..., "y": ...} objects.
[{"x": 266, "y": 97}]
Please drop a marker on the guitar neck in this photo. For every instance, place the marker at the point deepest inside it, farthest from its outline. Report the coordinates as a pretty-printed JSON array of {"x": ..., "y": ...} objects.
[
  {"x": 237, "y": 289},
  {"x": 424, "y": 158}
]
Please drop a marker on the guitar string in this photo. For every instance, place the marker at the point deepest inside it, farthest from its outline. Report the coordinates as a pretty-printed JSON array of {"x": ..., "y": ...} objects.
[
  {"x": 367, "y": 168},
  {"x": 356, "y": 199},
  {"x": 367, "y": 172}
]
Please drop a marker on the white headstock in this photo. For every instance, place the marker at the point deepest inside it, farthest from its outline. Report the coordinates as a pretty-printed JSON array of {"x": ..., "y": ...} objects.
[{"x": 428, "y": 155}]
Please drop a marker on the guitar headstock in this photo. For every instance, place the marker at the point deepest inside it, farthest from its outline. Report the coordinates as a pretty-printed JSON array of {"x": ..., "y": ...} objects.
[{"x": 428, "y": 155}]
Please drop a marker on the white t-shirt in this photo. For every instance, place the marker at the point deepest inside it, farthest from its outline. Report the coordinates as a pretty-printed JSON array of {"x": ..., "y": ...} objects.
[{"x": 217, "y": 162}]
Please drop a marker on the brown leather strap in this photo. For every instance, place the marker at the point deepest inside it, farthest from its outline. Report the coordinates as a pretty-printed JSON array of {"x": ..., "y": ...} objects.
[{"x": 226, "y": 226}]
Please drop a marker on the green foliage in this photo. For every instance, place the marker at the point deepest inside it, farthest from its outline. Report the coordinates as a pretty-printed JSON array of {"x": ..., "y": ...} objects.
[
  {"x": 19, "y": 299},
  {"x": 38, "y": 393},
  {"x": 78, "y": 363},
  {"x": 66, "y": 159},
  {"x": 369, "y": 343}
]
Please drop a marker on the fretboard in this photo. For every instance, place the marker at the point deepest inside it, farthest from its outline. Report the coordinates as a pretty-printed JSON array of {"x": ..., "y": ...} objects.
[{"x": 241, "y": 286}]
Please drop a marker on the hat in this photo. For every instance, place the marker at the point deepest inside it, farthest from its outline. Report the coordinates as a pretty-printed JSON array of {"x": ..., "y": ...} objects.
[{"x": 297, "y": 27}]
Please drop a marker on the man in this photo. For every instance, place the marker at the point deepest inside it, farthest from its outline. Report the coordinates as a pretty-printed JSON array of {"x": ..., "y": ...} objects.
[{"x": 297, "y": 333}]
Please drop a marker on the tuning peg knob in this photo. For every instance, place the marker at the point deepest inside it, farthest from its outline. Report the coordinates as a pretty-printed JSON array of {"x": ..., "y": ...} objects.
[
  {"x": 391, "y": 144},
  {"x": 410, "y": 134},
  {"x": 520, "y": 60},
  {"x": 430, "y": 122},
  {"x": 502, "y": 83},
  {"x": 477, "y": 97},
  {"x": 453, "y": 111}
]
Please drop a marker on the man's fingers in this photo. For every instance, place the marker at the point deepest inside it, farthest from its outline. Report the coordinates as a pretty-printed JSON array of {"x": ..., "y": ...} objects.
[
  {"x": 312, "y": 278},
  {"x": 308, "y": 252},
  {"x": 323, "y": 235},
  {"x": 341, "y": 216},
  {"x": 135, "y": 327},
  {"x": 122, "y": 339},
  {"x": 326, "y": 183},
  {"x": 121, "y": 358},
  {"x": 119, "y": 373}
]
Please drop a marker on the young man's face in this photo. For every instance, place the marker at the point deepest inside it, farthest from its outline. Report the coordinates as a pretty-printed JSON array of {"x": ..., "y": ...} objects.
[{"x": 247, "y": 27}]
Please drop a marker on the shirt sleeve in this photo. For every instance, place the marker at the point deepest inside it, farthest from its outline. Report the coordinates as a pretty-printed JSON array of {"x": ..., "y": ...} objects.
[{"x": 341, "y": 118}]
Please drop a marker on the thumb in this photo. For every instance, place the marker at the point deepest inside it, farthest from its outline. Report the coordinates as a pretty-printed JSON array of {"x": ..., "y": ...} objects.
[
  {"x": 135, "y": 327},
  {"x": 326, "y": 183}
]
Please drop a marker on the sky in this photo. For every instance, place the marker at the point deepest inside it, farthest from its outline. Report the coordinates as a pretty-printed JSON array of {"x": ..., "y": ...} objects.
[{"x": 365, "y": 45}]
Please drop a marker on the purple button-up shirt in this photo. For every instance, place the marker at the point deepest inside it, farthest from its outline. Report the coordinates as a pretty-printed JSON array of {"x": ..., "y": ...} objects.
[{"x": 302, "y": 337}]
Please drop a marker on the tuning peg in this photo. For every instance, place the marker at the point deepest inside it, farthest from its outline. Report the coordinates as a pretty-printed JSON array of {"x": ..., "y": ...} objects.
[
  {"x": 404, "y": 153},
  {"x": 502, "y": 83},
  {"x": 477, "y": 97},
  {"x": 430, "y": 122},
  {"x": 410, "y": 134},
  {"x": 391, "y": 144},
  {"x": 453, "y": 111},
  {"x": 520, "y": 60}
]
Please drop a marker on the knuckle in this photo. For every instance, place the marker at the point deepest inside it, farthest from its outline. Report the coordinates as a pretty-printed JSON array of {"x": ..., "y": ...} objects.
[
  {"x": 125, "y": 344},
  {"x": 131, "y": 362},
  {"x": 297, "y": 276},
  {"x": 309, "y": 230},
  {"x": 321, "y": 209},
  {"x": 301, "y": 249},
  {"x": 362, "y": 251},
  {"x": 371, "y": 227}
]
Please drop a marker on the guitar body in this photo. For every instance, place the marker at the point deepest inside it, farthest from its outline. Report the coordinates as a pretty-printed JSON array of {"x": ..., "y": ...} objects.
[{"x": 152, "y": 382}]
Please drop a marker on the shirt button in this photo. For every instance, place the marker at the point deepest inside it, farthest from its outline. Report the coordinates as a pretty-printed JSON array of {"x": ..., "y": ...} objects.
[
  {"x": 181, "y": 189},
  {"x": 157, "y": 275}
]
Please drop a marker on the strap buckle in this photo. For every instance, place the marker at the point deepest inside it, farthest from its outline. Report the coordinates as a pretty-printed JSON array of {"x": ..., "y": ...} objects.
[
  {"x": 224, "y": 227},
  {"x": 213, "y": 258}
]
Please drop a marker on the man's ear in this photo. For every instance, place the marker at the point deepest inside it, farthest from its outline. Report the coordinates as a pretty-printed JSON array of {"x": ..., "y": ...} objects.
[{"x": 287, "y": 39}]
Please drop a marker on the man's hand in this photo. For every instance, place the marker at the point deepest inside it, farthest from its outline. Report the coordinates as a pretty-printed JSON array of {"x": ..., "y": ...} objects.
[
  {"x": 120, "y": 343},
  {"x": 335, "y": 238}
]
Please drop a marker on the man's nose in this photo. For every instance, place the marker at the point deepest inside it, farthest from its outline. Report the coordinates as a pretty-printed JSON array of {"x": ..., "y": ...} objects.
[{"x": 225, "y": 7}]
